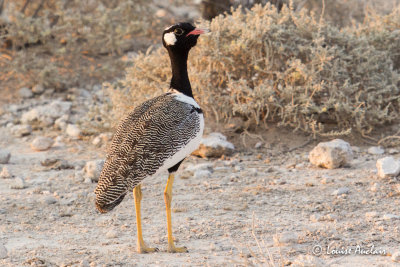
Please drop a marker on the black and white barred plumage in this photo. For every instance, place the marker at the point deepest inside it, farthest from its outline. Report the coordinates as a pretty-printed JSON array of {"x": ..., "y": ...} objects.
[{"x": 152, "y": 138}]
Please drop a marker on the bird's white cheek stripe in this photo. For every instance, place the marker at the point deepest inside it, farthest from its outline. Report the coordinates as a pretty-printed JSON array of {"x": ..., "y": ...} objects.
[{"x": 170, "y": 38}]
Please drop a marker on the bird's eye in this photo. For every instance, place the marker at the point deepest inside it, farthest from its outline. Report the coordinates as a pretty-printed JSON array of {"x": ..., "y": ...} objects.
[{"x": 178, "y": 31}]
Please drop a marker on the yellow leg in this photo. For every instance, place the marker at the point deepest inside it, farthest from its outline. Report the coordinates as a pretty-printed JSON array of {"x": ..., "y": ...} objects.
[
  {"x": 168, "y": 199},
  {"x": 142, "y": 248}
]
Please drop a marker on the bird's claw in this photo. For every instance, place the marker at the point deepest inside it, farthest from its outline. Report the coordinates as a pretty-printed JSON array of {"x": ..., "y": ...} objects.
[
  {"x": 173, "y": 249},
  {"x": 147, "y": 249}
]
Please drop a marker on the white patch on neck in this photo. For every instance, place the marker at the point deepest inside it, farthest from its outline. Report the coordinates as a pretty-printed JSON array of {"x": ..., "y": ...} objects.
[
  {"x": 170, "y": 38},
  {"x": 186, "y": 99}
]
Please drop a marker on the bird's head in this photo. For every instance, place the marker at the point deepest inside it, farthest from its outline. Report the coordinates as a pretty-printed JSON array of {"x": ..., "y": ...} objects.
[{"x": 182, "y": 36}]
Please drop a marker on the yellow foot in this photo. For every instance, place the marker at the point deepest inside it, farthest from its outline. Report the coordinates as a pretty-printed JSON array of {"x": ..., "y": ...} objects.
[
  {"x": 173, "y": 249},
  {"x": 145, "y": 249}
]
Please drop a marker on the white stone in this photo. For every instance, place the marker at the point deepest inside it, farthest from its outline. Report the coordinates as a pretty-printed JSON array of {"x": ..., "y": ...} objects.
[
  {"x": 376, "y": 150},
  {"x": 258, "y": 145},
  {"x": 59, "y": 142},
  {"x": 5, "y": 156},
  {"x": 396, "y": 256},
  {"x": 214, "y": 145},
  {"x": 393, "y": 151},
  {"x": 38, "y": 89},
  {"x": 341, "y": 191},
  {"x": 62, "y": 122},
  {"x": 73, "y": 131},
  {"x": 93, "y": 169},
  {"x": 21, "y": 130},
  {"x": 316, "y": 218},
  {"x": 46, "y": 114},
  {"x": 388, "y": 167},
  {"x": 331, "y": 154},
  {"x": 355, "y": 149},
  {"x": 19, "y": 183},
  {"x": 41, "y": 143},
  {"x": 3, "y": 252},
  {"x": 25, "y": 92},
  {"x": 371, "y": 214},
  {"x": 5, "y": 173},
  {"x": 389, "y": 217},
  {"x": 111, "y": 234}
]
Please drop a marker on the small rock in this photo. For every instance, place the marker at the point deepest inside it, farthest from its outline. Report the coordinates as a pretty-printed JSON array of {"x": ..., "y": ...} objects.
[
  {"x": 73, "y": 131},
  {"x": 41, "y": 143},
  {"x": 101, "y": 139},
  {"x": 47, "y": 114},
  {"x": 341, "y": 191},
  {"x": 3, "y": 252},
  {"x": 331, "y": 154},
  {"x": 5, "y": 173},
  {"x": 62, "y": 122},
  {"x": 5, "y": 156},
  {"x": 59, "y": 142},
  {"x": 376, "y": 150},
  {"x": 355, "y": 149},
  {"x": 215, "y": 145},
  {"x": 25, "y": 92},
  {"x": 93, "y": 169},
  {"x": 388, "y": 167},
  {"x": 392, "y": 151},
  {"x": 21, "y": 130},
  {"x": 258, "y": 145},
  {"x": 371, "y": 214},
  {"x": 19, "y": 183},
  {"x": 374, "y": 187},
  {"x": 396, "y": 256},
  {"x": 389, "y": 217},
  {"x": 50, "y": 200},
  {"x": 38, "y": 89},
  {"x": 87, "y": 180},
  {"x": 111, "y": 234}
]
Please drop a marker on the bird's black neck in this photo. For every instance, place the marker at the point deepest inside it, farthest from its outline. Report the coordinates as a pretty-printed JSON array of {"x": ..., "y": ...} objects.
[{"x": 180, "y": 79}]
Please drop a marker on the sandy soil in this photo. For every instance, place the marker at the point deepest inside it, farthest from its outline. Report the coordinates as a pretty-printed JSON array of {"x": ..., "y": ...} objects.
[{"x": 259, "y": 207}]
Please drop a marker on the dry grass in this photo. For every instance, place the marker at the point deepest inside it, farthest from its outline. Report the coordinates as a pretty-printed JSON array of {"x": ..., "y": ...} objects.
[{"x": 287, "y": 67}]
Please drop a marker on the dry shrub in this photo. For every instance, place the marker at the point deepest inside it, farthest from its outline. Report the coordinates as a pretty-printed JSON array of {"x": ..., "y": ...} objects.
[
  {"x": 285, "y": 67},
  {"x": 68, "y": 43}
]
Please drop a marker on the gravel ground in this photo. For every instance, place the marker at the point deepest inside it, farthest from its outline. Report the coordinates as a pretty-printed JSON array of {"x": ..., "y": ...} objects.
[{"x": 262, "y": 206}]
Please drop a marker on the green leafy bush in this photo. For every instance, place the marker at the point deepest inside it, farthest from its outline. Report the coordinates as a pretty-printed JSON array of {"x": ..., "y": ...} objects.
[{"x": 287, "y": 67}]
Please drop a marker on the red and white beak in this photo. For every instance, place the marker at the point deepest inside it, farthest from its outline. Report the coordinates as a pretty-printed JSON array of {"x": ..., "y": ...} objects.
[{"x": 198, "y": 31}]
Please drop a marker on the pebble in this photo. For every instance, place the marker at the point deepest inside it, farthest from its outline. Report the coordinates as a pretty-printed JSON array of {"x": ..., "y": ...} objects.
[
  {"x": 376, "y": 150},
  {"x": 214, "y": 145},
  {"x": 41, "y": 143},
  {"x": 371, "y": 214},
  {"x": 50, "y": 200},
  {"x": 389, "y": 217},
  {"x": 396, "y": 256},
  {"x": 111, "y": 234},
  {"x": 5, "y": 156},
  {"x": 393, "y": 151},
  {"x": 374, "y": 187},
  {"x": 93, "y": 169},
  {"x": 46, "y": 114},
  {"x": 59, "y": 142},
  {"x": 355, "y": 149},
  {"x": 21, "y": 130},
  {"x": 87, "y": 180},
  {"x": 3, "y": 252},
  {"x": 19, "y": 183},
  {"x": 25, "y": 92},
  {"x": 73, "y": 131},
  {"x": 341, "y": 191},
  {"x": 5, "y": 173},
  {"x": 38, "y": 89},
  {"x": 62, "y": 122},
  {"x": 258, "y": 145},
  {"x": 388, "y": 167},
  {"x": 331, "y": 155}
]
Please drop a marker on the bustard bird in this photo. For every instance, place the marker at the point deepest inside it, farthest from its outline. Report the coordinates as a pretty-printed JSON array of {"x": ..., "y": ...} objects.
[{"x": 155, "y": 137}]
